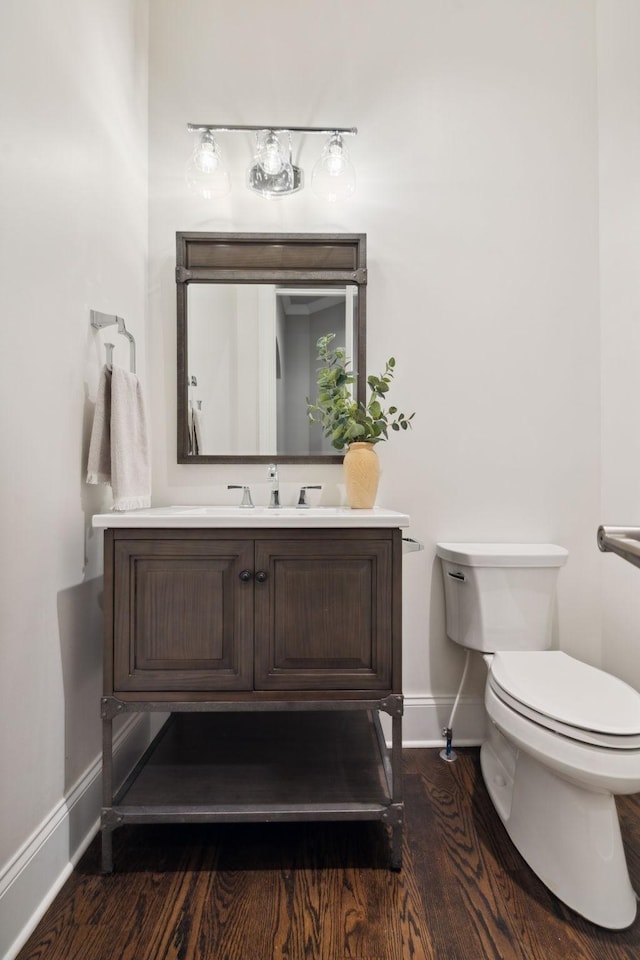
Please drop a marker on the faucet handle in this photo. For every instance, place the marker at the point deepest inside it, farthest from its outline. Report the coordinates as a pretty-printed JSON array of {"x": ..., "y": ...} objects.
[
  {"x": 302, "y": 499},
  {"x": 246, "y": 493},
  {"x": 274, "y": 500}
]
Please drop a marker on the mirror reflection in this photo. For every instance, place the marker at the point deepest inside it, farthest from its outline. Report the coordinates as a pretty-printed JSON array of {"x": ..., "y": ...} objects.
[{"x": 252, "y": 363}]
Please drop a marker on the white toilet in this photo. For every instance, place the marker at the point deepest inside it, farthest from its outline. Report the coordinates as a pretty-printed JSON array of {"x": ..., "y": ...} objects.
[{"x": 563, "y": 738}]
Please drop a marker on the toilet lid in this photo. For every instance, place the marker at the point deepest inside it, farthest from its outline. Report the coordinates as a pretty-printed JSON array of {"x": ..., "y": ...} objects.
[
  {"x": 572, "y": 697},
  {"x": 503, "y": 554}
]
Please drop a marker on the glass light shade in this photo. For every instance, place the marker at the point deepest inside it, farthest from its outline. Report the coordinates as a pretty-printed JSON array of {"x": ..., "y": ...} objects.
[
  {"x": 334, "y": 176},
  {"x": 206, "y": 174},
  {"x": 272, "y": 173}
]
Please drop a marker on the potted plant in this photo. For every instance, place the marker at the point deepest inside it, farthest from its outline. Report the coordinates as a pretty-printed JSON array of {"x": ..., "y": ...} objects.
[{"x": 348, "y": 423}]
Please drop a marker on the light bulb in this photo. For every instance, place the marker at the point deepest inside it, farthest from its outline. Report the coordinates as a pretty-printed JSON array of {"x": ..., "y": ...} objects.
[
  {"x": 334, "y": 177},
  {"x": 270, "y": 155},
  {"x": 205, "y": 157},
  {"x": 206, "y": 175},
  {"x": 335, "y": 159},
  {"x": 272, "y": 174}
]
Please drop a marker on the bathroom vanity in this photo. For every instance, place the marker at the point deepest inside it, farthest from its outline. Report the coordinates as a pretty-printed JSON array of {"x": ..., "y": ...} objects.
[{"x": 273, "y": 640}]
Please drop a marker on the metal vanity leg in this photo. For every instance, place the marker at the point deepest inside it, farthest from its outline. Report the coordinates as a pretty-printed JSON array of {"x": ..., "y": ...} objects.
[
  {"x": 393, "y": 819},
  {"x": 394, "y": 814},
  {"x": 107, "y": 848},
  {"x": 107, "y": 794},
  {"x": 397, "y": 805}
]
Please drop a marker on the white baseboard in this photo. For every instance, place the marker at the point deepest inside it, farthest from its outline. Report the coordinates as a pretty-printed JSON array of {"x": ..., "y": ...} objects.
[{"x": 33, "y": 877}]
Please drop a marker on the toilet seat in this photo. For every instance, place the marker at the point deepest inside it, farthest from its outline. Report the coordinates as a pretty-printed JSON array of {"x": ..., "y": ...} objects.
[{"x": 568, "y": 697}]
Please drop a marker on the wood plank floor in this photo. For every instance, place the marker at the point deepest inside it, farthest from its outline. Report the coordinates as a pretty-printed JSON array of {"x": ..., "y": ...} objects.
[{"x": 323, "y": 891}]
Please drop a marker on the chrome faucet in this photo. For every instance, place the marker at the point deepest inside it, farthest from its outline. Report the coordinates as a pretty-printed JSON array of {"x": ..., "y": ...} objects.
[
  {"x": 246, "y": 493},
  {"x": 272, "y": 474},
  {"x": 302, "y": 499}
]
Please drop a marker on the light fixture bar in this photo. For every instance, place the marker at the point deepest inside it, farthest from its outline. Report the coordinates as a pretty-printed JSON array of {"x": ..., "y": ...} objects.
[{"x": 235, "y": 128}]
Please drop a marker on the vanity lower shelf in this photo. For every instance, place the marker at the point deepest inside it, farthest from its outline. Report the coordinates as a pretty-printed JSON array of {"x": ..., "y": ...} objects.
[{"x": 238, "y": 766}]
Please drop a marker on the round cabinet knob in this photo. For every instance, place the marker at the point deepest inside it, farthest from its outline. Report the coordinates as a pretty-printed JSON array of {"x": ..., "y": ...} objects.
[
  {"x": 245, "y": 575},
  {"x": 261, "y": 576}
]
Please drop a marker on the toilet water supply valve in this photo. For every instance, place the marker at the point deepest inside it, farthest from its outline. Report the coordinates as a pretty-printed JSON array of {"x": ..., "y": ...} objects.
[
  {"x": 447, "y": 732},
  {"x": 448, "y": 753}
]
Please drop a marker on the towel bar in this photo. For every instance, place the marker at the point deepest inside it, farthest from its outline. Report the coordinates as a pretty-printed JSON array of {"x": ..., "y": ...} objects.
[
  {"x": 410, "y": 545},
  {"x": 100, "y": 320},
  {"x": 625, "y": 541}
]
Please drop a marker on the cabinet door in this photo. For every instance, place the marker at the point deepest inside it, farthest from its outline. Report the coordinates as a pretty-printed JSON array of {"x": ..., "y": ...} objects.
[
  {"x": 183, "y": 617},
  {"x": 323, "y": 614}
]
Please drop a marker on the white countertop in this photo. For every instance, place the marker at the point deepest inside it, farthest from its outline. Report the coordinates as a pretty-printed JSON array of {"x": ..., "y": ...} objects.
[{"x": 262, "y": 517}]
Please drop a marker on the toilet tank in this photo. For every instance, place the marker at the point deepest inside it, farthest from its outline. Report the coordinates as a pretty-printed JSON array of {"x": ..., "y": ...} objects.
[{"x": 499, "y": 596}]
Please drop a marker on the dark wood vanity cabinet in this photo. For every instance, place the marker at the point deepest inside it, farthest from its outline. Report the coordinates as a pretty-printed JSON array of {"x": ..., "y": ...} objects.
[
  {"x": 246, "y": 622},
  {"x": 297, "y": 611}
]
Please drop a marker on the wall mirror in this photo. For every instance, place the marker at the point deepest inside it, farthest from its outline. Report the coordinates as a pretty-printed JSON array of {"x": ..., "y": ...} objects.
[{"x": 251, "y": 308}]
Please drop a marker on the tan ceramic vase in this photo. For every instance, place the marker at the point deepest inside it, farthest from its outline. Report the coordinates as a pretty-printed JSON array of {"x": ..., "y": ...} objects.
[{"x": 361, "y": 475}]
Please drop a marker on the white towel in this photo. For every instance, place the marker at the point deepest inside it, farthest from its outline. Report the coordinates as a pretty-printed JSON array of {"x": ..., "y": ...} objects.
[
  {"x": 198, "y": 431},
  {"x": 119, "y": 446},
  {"x": 192, "y": 444},
  {"x": 99, "y": 461}
]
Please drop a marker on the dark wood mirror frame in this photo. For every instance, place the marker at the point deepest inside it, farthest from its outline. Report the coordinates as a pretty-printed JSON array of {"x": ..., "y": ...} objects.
[{"x": 266, "y": 258}]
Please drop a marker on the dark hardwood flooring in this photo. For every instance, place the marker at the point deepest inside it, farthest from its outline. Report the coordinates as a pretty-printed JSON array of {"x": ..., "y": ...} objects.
[{"x": 292, "y": 891}]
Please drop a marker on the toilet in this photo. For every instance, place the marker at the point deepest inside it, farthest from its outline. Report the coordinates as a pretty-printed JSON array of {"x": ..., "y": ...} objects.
[{"x": 563, "y": 737}]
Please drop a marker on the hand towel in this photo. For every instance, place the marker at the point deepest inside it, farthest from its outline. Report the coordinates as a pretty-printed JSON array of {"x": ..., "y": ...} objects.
[
  {"x": 198, "y": 430},
  {"x": 99, "y": 461},
  {"x": 190, "y": 429},
  {"x": 119, "y": 447}
]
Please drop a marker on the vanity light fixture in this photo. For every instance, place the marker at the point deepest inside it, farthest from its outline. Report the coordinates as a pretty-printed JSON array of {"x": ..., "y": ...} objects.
[{"x": 272, "y": 172}]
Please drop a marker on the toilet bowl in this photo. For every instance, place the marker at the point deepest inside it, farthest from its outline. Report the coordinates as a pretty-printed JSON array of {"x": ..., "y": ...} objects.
[{"x": 563, "y": 737}]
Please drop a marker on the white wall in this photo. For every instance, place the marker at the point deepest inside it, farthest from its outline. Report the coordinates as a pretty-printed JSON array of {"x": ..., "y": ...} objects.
[
  {"x": 477, "y": 164},
  {"x": 619, "y": 127},
  {"x": 73, "y": 236}
]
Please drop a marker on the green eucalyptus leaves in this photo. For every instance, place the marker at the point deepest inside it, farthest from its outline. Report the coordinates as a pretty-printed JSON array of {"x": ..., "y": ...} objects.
[{"x": 342, "y": 418}]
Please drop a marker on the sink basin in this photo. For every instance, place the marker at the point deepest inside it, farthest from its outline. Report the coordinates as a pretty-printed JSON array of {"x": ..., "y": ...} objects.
[
  {"x": 235, "y": 516},
  {"x": 272, "y": 512}
]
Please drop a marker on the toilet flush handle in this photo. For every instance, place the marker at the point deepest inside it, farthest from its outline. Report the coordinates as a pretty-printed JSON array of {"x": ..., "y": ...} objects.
[{"x": 456, "y": 576}]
